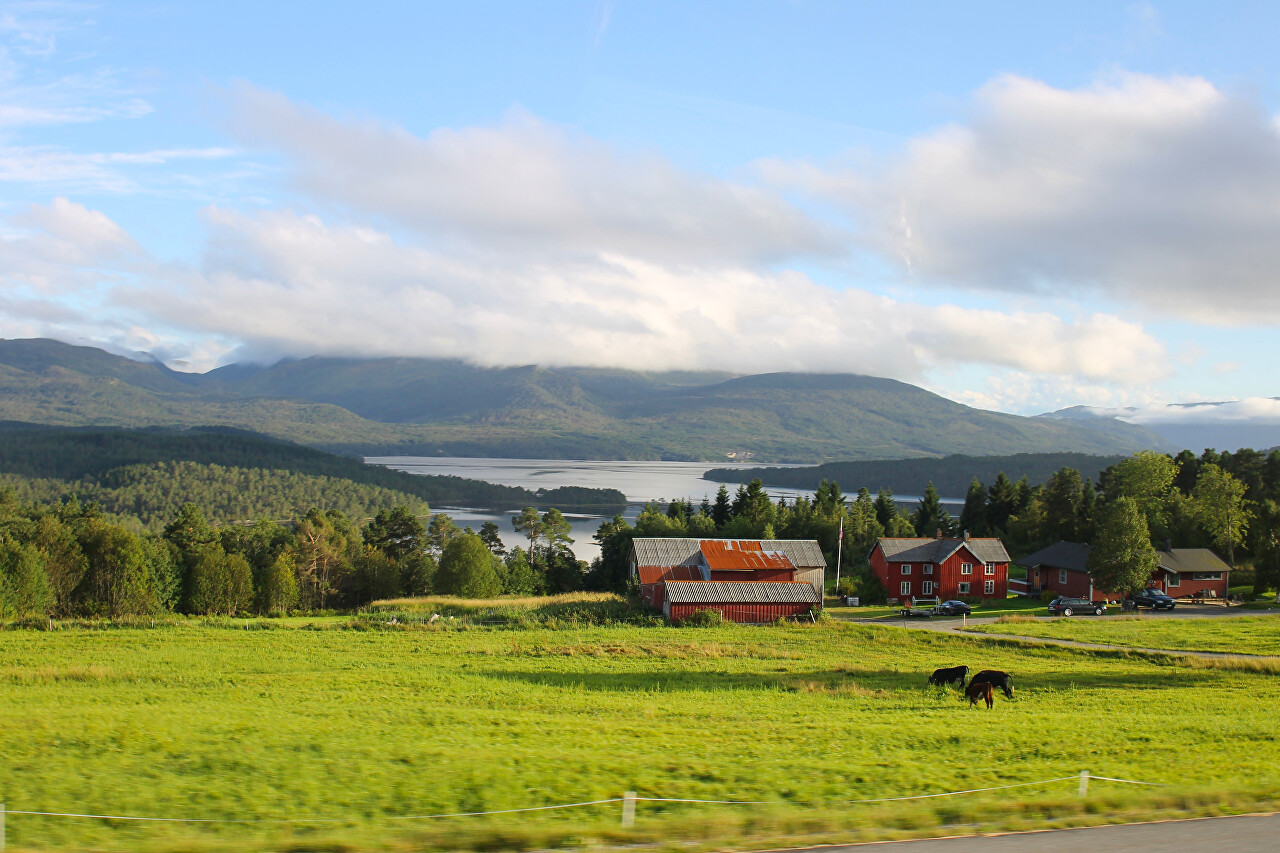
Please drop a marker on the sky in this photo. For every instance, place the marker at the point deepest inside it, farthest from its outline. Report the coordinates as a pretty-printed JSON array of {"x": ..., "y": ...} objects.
[{"x": 1022, "y": 207}]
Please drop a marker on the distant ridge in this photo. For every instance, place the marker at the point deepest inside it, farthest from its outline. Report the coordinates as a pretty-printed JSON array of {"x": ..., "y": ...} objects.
[{"x": 415, "y": 406}]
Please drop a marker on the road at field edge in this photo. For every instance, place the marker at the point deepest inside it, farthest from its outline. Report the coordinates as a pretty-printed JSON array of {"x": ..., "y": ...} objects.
[{"x": 1243, "y": 834}]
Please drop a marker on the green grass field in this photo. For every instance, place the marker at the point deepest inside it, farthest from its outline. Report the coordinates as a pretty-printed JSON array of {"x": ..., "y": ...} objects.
[
  {"x": 368, "y": 723},
  {"x": 1253, "y": 635}
]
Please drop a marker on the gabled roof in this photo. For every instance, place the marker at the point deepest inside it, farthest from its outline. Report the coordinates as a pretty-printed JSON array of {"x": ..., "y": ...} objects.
[
  {"x": 1191, "y": 560},
  {"x": 741, "y": 592},
  {"x": 802, "y": 553},
  {"x": 1074, "y": 556},
  {"x": 926, "y": 550},
  {"x": 1071, "y": 556}
]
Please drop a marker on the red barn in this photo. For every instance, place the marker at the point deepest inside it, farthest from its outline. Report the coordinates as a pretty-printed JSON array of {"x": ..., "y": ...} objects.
[
  {"x": 745, "y": 580},
  {"x": 945, "y": 567},
  {"x": 1062, "y": 568}
]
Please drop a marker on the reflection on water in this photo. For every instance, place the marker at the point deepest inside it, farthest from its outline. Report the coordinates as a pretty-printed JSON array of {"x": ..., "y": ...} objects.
[{"x": 639, "y": 481}]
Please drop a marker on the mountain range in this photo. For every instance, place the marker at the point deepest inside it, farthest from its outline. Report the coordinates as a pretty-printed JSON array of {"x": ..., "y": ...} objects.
[
  {"x": 414, "y": 406},
  {"x": 1226, "y": 425}
]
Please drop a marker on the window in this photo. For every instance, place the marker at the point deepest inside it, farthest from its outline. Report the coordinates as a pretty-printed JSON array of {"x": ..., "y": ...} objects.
[
  {"x": 966, "y": 568},
  {"x": 926, "y": 588},
  {"x": 906, "y": 568},
  {"x": 989, "y": 587},
  {"x": 989, "y": 569},
  {"x": 1206, "y": 576},
  {"x": 964, "y": 589},
  {"x": 928, "y": 568},
  {"x": 1175, "y": 580},
  {"x": 905, "y": 589},
  {"x": 1062, "y": 575}
]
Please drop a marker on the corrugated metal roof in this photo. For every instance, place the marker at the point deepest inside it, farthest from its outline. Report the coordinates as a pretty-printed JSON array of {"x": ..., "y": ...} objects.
[
  {"x": 1071, "y": 556},
  {"x": 923, "y": 550},
  {"x": 803, "y": 553},
  {"x": 741, "y": 592},
  {"x": 727, "y": 555},
  {"x": 654, "y": 574},
  {"x": 1191, "y": 560}
]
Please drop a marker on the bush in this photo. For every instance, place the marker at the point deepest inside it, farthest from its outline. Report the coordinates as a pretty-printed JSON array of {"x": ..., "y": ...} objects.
[
  {"x": 1047, "y": 595},
  {"x": 702, "y": 619}
]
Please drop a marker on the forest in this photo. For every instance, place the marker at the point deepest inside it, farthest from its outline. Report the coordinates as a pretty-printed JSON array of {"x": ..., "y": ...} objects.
[{"x": 100, "y": 461}]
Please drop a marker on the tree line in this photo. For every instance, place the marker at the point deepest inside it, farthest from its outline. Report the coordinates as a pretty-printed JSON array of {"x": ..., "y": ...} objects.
[{"x": 68, "y": 559}]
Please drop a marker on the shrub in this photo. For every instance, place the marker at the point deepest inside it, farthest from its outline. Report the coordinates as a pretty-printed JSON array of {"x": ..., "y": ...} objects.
[{"x": 702, "y": 619}]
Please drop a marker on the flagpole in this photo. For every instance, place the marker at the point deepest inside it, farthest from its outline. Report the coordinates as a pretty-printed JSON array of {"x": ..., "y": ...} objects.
[{"x": 839, "y": 554}]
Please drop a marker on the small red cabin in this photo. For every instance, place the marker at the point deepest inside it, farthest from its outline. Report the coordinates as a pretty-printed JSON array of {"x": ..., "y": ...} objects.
[{"x": 945, "y": 567}]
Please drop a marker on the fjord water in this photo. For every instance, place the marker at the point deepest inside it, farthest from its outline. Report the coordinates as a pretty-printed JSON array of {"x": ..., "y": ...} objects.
[{"x": 639, "y": 481}]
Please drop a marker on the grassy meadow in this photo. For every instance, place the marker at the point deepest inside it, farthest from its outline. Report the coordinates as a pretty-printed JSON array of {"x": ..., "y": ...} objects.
[
  {"x": 366, "y": 722},
  {"x": 1252, "y": 635}
]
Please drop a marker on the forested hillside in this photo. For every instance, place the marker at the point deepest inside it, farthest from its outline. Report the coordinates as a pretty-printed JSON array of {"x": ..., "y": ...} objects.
[
  {"x": 400, "y": 406},
  {"x": 950, "y": 475},
  {"x": 135, "y": 467}
]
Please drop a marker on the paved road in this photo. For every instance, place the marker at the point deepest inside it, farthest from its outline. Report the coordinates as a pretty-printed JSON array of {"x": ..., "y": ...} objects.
[
  {"x": 1244, "y": 834},
  {"x": 1184, "y": 611}
]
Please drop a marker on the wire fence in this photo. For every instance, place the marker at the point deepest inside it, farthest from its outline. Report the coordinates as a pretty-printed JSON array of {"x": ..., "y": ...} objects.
[{"x": 628, "y": 801}]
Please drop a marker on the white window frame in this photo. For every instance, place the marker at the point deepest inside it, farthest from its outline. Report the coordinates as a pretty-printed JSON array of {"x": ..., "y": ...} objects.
[
  {"x": 963, "y": 588},
  {"x": 905, "y": 588},
  {"x": 966, "y": 568},
  {"x": 926, "y": 588},
  {"x": 1062, "y": 575},
  {"x": 906, "y": 568},
  {"x": 1175, "y": 580},
  {"x": 988, "y": 587},
  {"x": 928, "y": 568},
  {"x": 989, "y": 569},
  {"x": 1206, "y": 576}
]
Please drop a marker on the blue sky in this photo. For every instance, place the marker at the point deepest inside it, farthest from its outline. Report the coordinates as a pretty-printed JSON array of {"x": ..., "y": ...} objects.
[{"x": 1020, "y": 206}]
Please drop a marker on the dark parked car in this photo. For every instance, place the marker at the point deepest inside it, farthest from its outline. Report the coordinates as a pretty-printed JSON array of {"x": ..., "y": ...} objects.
[
  {"x": 1153, "y": 598},
  {"x": 1064, "y": 606},
  {"x": 953, "y": 608}
]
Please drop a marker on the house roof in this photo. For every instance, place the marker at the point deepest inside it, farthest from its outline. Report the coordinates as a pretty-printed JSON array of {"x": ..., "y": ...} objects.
[
  {"x": 1191, "y": 560},
  {"x": 802, "y": 553},
  {"x": 1073, "y": 556},
  {"x": 925, "y": 550},
  {"x": 741, "y": 592}
]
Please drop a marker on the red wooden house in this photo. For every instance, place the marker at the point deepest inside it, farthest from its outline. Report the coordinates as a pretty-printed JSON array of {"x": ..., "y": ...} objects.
[
  {"x": 745, "y": 580},
  {"x": 943, "y": 566},
  {"x": 1061, "y": 568}
]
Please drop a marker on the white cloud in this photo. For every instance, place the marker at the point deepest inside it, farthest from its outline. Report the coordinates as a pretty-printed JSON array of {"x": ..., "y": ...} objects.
[
  {"x": 291, "y": 284},
  {"x": 1250, "y": 410},
  {"x": 1161, "y": 190},
  {"x": 528, "y": 184}
]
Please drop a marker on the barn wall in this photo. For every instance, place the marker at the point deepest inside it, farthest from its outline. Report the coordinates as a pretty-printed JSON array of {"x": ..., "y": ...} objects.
[{"x": 748, "y": 613}]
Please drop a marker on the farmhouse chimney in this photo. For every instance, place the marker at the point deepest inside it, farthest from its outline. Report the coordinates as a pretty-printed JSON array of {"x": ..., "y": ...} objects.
[{"x": 966, "y": 536}]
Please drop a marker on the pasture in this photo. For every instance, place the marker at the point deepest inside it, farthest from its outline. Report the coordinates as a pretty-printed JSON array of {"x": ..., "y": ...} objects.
[
  {"x": 366, "y": 723},
  {"x": 1254, "y": 635}
]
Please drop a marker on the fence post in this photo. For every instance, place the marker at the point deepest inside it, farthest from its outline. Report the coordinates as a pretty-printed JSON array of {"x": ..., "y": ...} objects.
[
  {"x": 1084, "y": 783},
  {"x": 628, "y": 810},
  {"x": 1, "y": 827}
]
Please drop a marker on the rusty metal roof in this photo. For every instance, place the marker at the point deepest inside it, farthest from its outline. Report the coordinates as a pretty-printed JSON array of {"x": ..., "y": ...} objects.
[
  {"x": 728, "y": 555},
  {"x": 741, "y": 592},
  {"x": 802, "y": 553},
  {"x": 656, "y": 574}
]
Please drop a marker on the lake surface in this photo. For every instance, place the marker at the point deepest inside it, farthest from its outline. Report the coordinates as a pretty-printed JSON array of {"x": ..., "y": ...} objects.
[{"x": 641, "y": 482}]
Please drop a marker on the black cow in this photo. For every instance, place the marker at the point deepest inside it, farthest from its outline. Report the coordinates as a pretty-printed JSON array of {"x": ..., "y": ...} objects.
[
  {"x": 953, "y": 675},
  {"x": 1003, "y": 680}
]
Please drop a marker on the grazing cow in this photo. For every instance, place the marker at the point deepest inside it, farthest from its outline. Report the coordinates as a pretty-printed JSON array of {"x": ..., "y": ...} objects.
[
  {"x": 980, "y": 690},
  {"x": 953, "y": 675},
  {"x": 1000, "y": 679}
]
